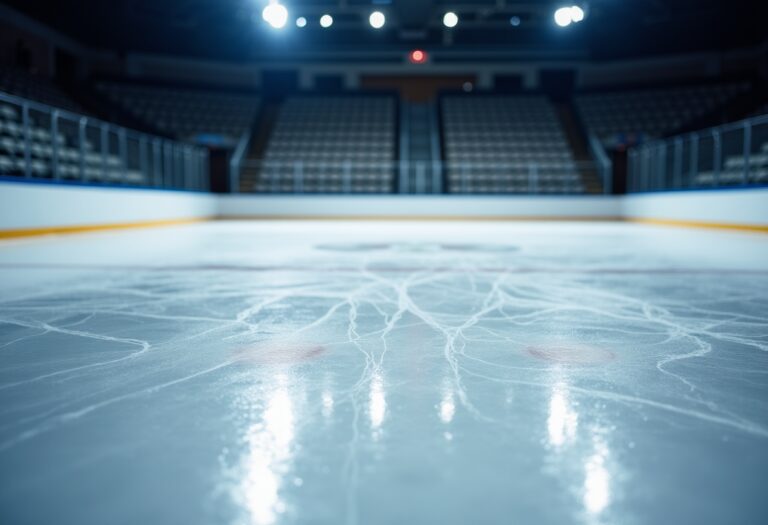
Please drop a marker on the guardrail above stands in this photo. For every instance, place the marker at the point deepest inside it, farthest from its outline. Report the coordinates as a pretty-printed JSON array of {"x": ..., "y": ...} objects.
[
  {"x": 417, "y": 177},
  {"x": 731, "y": 155},
  {"x": 40, "y": 142}
]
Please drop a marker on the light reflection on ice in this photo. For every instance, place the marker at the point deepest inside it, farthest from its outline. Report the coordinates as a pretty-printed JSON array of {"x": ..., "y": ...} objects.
[
  {"x": 377, "y": 402},
  {"x": 447, "y": 404},
  {"x": 597, "y": 479},
  {"x": 327, "y": 403},
  {"x": 269, "y": 450},
  {"x": 563, "y": 419},
  {"x": 566, "y": 337},
  {"x": 568, "y": 444}
]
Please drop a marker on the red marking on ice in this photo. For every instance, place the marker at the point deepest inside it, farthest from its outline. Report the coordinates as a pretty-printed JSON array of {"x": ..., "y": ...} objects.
[
  {"x": 572, "y": 354},
  {"x": 275, "y": 353}
]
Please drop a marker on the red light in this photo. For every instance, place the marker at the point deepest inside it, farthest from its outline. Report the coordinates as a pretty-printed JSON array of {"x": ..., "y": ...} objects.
[{"x": 418, "y": 56}]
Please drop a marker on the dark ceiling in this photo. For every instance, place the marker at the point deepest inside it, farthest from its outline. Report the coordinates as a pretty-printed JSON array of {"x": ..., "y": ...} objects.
[{"x": 233, "y": 29}]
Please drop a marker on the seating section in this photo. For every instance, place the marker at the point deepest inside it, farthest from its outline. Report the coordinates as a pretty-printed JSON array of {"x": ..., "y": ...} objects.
[
  {"x": 506, "y": 144},
  {"x": 36, "y": 87},
  {"x": 634, "y": 116},
  {"x": 190, "y": 115},
  {"x": 331, "y": 144},
  {"x": 43, "y": 157},
  {"x": 734, "y": 173}
]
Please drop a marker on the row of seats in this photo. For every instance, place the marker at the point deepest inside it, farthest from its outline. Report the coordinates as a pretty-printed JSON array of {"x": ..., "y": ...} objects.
[
  {"x": 546, "y": 171},
  {"x": 37, "y": 88},
  {"x": 734, "y": 172},
  {"x": 631, "y": 116},
  {"x": 329, "y": 146},
  {"x": 762, "y": 110},
  {"x": 317, "y": 136},
  {"x": 307, "y": 133},
  {"x": 325, "y": 186},
  {"x": 494, "y": 143},
  {"x": 187, "y": 114},
  {"x": 44, "y": 157},
  {"x": 538, "y": 150},
  {"x": 496, "y": 188},
  {"x": 277, "y": 177}
]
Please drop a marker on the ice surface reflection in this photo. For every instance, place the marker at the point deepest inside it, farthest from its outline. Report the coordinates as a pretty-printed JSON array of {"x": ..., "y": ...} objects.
[
  {"x": 269, "y": 450},
  {"x": 597, "y": 479},
  {"x": 447, "y": 404},
  {"x": 403, "y": 374},
  {"x": 328, "y": 403},
  {"x": 563, "y": 420},
  {"x": 377, "y": 403},
  {"x": 568, "y": 442}
]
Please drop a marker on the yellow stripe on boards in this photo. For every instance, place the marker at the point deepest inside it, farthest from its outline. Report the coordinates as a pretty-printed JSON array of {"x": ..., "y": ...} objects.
[
  {"x": 86, "y": 228},
  {"x": 65, "y": 230},
  {"x": 755, "y": 228}
]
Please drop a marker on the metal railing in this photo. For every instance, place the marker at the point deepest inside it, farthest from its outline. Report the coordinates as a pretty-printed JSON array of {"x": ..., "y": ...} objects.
[
  {"x": 237, "y": 159},
  {"x": 731, "y": 155},
  {"x": 350, "y": 176},
  {"x": 603, "y": 163},
  {"x": 40, "y": 142}
]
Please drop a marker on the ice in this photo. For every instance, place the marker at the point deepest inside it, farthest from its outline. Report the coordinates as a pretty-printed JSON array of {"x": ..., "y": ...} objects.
[{"x": 385, "y": 372}]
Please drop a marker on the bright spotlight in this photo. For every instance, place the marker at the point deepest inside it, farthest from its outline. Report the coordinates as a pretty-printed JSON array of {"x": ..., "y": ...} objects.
[
  {"x": 577, "y": 13},
  {"x": 275, "y": 15},
  {"x": 563, "y": 16},
  {"x": 326, "y": 21},
  {"x": 514, "y": 21},
  {"x": 377, "y": 20},
  {"x": 301, "y": 22},
  {"x": 450, "y": 19}
]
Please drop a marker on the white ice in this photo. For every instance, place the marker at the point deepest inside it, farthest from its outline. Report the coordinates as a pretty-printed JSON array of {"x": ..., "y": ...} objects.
[{"x": 385, "y": 372}]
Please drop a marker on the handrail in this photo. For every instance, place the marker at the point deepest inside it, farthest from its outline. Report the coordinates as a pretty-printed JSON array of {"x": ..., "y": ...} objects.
[
  {"x": 604, "y": 163},
  {"x": 534, "y": 177},
  {"x": 444, "y": 164},
  {"x": 722, "y": 128},
  {"x": 76, "y": 117},
  {"x": 236, "y": 161},
  {"x": 138, "y": 158},
  {"x": 709, "y": 158}
]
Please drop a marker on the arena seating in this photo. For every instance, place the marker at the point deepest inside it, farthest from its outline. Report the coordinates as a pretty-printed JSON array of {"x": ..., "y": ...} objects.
[
  {"x": 762, "y": 110},
  {"x": 331, "y": 144},
  {"x": 187, "y": 114},
  {"x": 506, "y": 144},
  {"x": 733, "y": 171},
  {"x": 633, "y": 116},
  {"x": 36, "y": 87},
  {"x": 96, "y": 167}
]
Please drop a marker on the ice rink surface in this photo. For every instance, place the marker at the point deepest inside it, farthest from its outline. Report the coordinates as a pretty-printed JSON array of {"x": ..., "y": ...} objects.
[{"x": 385, "y": 373}]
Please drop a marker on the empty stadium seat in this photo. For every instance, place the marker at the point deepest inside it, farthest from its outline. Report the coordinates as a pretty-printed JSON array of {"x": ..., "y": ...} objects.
[
  {"x": 37, "y": 88},
  {"x": 41, "y": 154},
  {"x": 506, "y": 144},
  {"x": 331, "y": 145},
  {"x": 762, "y": 110},
  {"x": 186, "y": 113},
  {"x": 734, "y": 172},
  {"x": 639, "y": 115}
]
